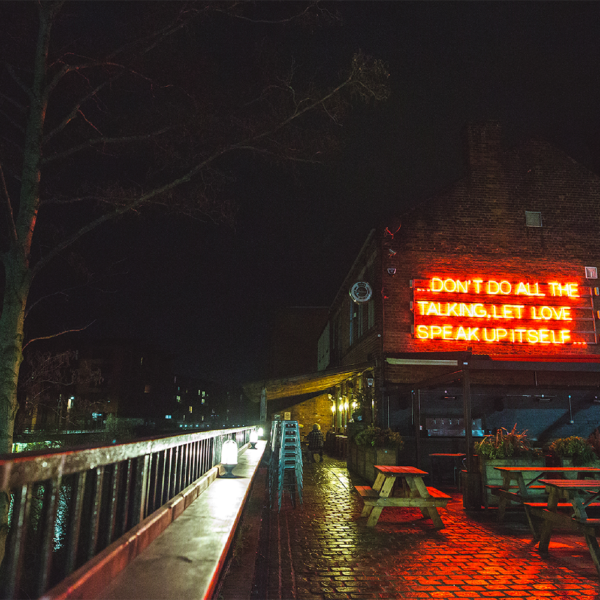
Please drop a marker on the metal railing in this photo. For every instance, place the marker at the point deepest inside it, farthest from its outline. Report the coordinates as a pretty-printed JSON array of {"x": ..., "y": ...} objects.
[{"x": 66, "y": 506}]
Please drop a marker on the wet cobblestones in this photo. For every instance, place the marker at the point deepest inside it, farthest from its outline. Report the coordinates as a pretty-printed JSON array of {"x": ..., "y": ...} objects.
[{"x": 323, "y": 550}]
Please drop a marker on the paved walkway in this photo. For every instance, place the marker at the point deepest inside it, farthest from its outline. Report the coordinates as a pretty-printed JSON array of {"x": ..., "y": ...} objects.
[{"x": 323, "y": 550}]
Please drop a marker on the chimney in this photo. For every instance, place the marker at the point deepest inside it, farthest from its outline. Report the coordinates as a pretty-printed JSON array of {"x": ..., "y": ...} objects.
[{"x": 481, "y": 147}]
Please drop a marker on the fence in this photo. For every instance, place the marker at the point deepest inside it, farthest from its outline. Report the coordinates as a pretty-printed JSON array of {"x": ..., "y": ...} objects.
[{"x": 66, "y": 506}]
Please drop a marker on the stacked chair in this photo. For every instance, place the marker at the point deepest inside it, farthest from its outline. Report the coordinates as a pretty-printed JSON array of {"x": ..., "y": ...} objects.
[{"x": 285, "y": 468}]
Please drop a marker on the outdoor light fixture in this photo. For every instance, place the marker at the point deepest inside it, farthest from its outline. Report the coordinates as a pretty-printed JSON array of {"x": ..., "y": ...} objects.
[
  {"x": 229, "y": 458},
  {"x": 333, "y": 408},
  {"x": 253, "y": 438}
]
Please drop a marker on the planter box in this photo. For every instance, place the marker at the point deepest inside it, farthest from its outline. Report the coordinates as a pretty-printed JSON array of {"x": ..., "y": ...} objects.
[
  {"x": 568, "y": 462},
  {"x": 489, "y": 475},
  {"x": 361, "y": 460}
]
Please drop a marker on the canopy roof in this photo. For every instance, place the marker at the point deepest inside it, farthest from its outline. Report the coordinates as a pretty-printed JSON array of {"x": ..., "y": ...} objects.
[{"x": 303, "y": 384}]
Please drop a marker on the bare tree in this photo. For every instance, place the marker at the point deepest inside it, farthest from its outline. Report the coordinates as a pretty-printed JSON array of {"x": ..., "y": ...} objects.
[
  {"x": 45, "y": 381},
  {"x": 105, "y": 122}
]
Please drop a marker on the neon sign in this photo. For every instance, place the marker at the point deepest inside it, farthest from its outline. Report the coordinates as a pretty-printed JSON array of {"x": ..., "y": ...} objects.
[{"x": 503, "y": 311}]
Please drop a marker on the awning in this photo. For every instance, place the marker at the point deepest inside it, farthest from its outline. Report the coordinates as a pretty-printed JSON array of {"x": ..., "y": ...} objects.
[{"x": 303, "y": 384}]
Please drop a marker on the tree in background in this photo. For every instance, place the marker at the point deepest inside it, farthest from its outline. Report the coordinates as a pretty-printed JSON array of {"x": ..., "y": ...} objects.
[{"x": 109, "y": 109}]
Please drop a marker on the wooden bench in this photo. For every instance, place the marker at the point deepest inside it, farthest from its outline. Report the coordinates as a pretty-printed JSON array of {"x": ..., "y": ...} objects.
[
  {"x": 540, "y": 510},
  {"x": 372, "y": 498}
]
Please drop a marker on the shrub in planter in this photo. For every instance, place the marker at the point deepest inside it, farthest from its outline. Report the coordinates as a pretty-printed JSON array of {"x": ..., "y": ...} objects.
[
  {"x": 374, "y": 446},
  {"x": 579, "y": 450},
  {"x": 594, "y": 440},
  {"x": 375, "y": 437},
  {"x": 506, "y": 444},
  {"x": 504, "y": 449}
]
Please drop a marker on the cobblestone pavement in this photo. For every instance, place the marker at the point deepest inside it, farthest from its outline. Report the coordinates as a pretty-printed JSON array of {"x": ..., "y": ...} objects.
[{"x": 323, "y": 550}]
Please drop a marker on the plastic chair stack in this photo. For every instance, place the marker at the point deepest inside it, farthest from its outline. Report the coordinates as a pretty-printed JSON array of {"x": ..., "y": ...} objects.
[{"x": 286, "y": 462}]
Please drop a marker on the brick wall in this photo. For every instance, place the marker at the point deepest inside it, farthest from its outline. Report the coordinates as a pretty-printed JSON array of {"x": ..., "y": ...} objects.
[
  {"x": 476, "y": 228},
  {"x": 309, "y": 412}
]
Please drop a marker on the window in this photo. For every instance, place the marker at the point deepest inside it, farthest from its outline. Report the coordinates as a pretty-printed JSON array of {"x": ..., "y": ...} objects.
[
  {"x": 371, "y": 317},
  {"x": 178, "y": 398},
  {"x": 591, "y": 273},
  {"x": 147, "y": 388},
  {"x": 533, "y": 219}
]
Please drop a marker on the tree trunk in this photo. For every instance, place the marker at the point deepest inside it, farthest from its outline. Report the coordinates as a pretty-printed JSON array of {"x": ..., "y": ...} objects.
[
  {"x": 16, "y": 261},
  {"x": 11, "y": 345}
]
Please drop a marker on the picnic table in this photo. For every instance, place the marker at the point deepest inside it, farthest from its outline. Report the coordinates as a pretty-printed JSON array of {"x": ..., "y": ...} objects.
[
  {"x": 579, "y": 495},
  {"x": 414, "y": 493},
  {"x": 526, "y": 491}
]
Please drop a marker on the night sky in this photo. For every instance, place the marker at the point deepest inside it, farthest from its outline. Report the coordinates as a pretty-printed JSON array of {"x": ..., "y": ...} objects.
[{"x": 206, "y": 293}]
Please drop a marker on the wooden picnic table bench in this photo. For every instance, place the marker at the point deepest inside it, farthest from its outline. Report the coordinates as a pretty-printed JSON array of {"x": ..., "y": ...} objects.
[
  {"x": 578, "y": 495},
  {"x": 529, "y": 491},
  {"x": 414, "y": 494}
]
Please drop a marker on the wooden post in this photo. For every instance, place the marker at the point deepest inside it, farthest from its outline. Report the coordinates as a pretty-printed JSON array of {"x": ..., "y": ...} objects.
[
  {"x": 466, "y": 380},
  {"x": 417, "y": 413},
  {"x": 263, "y": 405}
]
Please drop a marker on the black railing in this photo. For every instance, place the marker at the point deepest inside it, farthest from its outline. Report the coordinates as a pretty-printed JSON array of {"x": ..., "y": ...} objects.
[{"x": 66, "y": 506}]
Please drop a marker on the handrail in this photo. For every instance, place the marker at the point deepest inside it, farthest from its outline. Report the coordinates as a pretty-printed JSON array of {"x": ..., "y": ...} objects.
[{"x": 67, "y": 505}]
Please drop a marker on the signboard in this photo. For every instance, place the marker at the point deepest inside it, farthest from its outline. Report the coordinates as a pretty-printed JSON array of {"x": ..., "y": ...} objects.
[
  {"x": 503, "y": 311},
  {"x": 361, "y": 292}
]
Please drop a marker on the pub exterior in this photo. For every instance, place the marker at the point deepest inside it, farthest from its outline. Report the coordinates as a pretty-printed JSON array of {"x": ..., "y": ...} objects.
[{"x": 480, "y": 305}]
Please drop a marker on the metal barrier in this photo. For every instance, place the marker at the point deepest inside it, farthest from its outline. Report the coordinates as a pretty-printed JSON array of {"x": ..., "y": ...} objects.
[{"x": 68, "y": 505}]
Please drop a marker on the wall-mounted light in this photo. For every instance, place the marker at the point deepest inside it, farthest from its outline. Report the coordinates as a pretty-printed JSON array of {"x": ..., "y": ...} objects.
[{"x": 229, "y": 458}]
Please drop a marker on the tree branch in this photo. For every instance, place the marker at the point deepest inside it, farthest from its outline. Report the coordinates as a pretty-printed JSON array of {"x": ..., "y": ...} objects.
[
  {"x": 9, "y": 211},
  {"x": 16, "y": 104},
  {"x": 153, "y": 39},
  {"x": 306, "y": 11},
  {"x": 48, "y": 337},
  {"x": 76, "y": 108},
  {"x": 12, "y": 121},
  {"x": 18, "y": 81},
  {"x": 359, "y": 71},
  {"x": 104, "y": 140}
]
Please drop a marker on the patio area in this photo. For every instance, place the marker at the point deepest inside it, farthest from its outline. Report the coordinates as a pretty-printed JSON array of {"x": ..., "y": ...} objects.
[{"x": 323, "y": 550}]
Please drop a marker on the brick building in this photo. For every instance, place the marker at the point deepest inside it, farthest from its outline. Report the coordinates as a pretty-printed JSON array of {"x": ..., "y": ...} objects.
[
  {"x": 480, "y": 303},
  {"x": 485, "y": 293}
]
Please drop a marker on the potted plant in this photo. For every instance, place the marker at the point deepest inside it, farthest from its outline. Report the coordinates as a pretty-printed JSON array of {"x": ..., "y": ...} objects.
[
  {"x": 374, "y": 446},
  {"x": 594, "y": 440},
  {"x": 504, "y": 449},
  {"x": 573, "y": 451}
]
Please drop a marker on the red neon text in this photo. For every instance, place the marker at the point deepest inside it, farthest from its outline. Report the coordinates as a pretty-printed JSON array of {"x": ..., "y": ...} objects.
[
  {"x": 499, "y": 334},
  {"x": 502, "y": 288}
]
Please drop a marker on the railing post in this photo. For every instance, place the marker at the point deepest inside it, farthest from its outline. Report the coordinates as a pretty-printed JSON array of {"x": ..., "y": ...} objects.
[
  {"x": 75, "y": 509},
  {"x": 94, "y": 522},
  {"x": 140, "y": 489},
  {"x": 49, "y": 508},
  {"x": 16, "y": 541}
]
